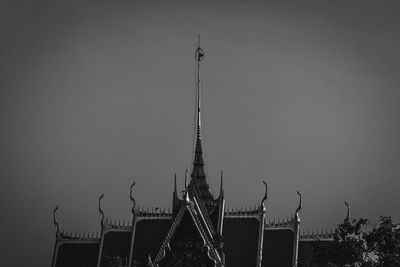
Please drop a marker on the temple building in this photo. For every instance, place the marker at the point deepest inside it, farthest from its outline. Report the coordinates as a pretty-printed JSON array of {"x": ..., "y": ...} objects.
[{"x": 196, "y": 231}]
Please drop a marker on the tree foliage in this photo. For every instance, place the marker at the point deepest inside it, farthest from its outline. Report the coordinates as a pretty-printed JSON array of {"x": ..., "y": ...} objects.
[
  {"x": 384, "y": 241},
  {"x": 357, "y": 243}
]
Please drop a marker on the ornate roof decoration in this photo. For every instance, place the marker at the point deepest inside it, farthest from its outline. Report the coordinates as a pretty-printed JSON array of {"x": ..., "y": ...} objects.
[
  {"x": 133, "y": 201},
  {"x": 101, "y": 210},
  {"x": 281, "y": 222},
  {"x": 297, "y": 216},
  {"x": 191, "y": 206},
  {"x": 198, "y": 177},
  {"x": 118, "y": 225},
  {"x": 154, "y": 212},
  {"x": 74, "y": 236},
  {"x": 56, "y": 224},
  {"x": 317, "y": 235},
  {"x": 348, "y": 212},
  {"x": 263, "y": 201},
  {"x": 243, "y": 211}
]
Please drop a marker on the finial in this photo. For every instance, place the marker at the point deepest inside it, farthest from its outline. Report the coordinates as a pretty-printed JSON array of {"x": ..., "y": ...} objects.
[
  {"x": 265, "y": 195},
  {"x": 199, "y": 55},
  {"x": 348, "y": 211},
  {"x": 131, "y": 197},
  {"x": 299, "y": 207},
  {"x": 300, "y": 203},
  {"x": 100, "y": 209},
  {"x": 199, "y": 52},
  {"x": 56, "y": 224}
]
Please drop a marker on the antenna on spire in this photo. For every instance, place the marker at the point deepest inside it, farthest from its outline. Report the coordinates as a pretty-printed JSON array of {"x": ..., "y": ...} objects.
[{"x": 199, "y": 57}]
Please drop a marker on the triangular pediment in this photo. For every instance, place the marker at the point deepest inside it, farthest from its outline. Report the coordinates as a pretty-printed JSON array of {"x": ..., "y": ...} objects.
[{"x": 189, "y": 239}]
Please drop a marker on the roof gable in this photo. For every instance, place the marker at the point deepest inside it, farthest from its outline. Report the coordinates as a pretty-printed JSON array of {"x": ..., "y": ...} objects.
[{"x": 190, "y": 215}]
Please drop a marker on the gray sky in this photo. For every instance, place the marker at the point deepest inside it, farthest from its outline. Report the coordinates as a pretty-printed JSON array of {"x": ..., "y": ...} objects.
[{"x": 95, "y": 94}]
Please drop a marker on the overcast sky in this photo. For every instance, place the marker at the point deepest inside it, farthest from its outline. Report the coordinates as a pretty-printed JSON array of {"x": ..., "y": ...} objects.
[{"x": 96, "y": 94}]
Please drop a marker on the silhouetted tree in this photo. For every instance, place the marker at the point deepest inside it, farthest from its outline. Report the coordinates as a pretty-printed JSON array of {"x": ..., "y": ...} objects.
[
  {"x": 348, "y": 248},
  {"x": 384, "y": 241},
  {"x": 355, "y": 244}
]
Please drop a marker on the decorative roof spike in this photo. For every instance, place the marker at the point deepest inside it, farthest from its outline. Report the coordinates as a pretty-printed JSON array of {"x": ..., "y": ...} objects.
[
  {"x": 199, "y": 57},
  {"x": 263, "y": 204},
  {"x": 298, "y": 208},
  {"x": 198, "y": 175},
  {"x": 132, "y": 198},
  {"x": 175, "y": 190},
  {"x": 348, "y": 211},
  {"x": 56, "y": 224},
  {"x": 221, "y": 190},
  {"x": 100, "y": 209}
]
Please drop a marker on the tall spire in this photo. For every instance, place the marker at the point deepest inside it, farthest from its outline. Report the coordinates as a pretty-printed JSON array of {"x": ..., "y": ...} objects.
[
  {"x": 199, "y": 57},
  {"x": 198, "y": 174}
]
